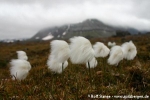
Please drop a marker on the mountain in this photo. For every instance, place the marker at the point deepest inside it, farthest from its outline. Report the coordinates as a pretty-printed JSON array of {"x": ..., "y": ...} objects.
[{"x": 89, "y": 28}]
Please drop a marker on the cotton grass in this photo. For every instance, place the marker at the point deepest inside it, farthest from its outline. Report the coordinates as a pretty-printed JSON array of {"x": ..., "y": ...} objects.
[
  {"x": 60, "y": 53},
  {"x": 20, "y": 67},
  {"x": 111, "y": 44},
  {"x": 116, "y": 55},
  {"x": 81, "y": 50},
  {"x": 60, "y": 50},
  {"x": 22, "y": 55},
  {"x": 129, "y": 50},
  {"x": 56, "y": 66},
  {"x": 100, "y": 50},
  {"x": 93, "y": 63}
]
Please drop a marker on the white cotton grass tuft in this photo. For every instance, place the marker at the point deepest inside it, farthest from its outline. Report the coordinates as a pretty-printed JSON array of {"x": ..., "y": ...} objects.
[
  {"x": 100, "y": 50},
  {"x": 111, "y": 44},
  {"x": 114, "y": 43},
  {"x": 19, "y": 69},
  {"x": 93, "y": 63},
  {"x": 129, "y": 50},
  {"x": 116, "y": 55},
  {"x": 81, "y": 50},
  {"x": 60, "y": 53},
  {"x": 22, "y": 55},
  {"x": 60, "y": 50},
  {"x": 56, "y": 66}
]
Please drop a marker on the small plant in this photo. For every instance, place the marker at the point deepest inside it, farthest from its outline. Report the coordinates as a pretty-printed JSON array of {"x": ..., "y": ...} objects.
[
  {"x": 81, "y": 52},
  {"x": 111, "y": 44},
  {"x": 129, "y": 50},
  {"x": 20, "y": 67},
  {"x": 60, "y": 53},
  {"x": 116, "y": 55},
  {"x": 92, "y": 63},
  {"x": 100, "y": 50}
]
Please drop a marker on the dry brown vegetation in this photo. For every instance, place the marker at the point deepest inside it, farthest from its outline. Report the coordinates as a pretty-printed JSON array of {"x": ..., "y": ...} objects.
[{"x": 129, "y": 78}]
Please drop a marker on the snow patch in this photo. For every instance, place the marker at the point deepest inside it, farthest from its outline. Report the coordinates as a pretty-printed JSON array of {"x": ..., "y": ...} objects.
[
  {"x": 64, "y": 33},
  {"x": 48, "y": 37}
]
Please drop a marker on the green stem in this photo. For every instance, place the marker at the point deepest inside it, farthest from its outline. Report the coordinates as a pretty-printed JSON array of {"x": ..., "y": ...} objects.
[
  {"x": 77, "y": 94},
  {"x": 52, "y": 91},
  {"x": 90, "y": 74},
  {"x": 62, "y": 67},
  {"x": 103, "y": 65},
  {"x": 102, "y": 73}
]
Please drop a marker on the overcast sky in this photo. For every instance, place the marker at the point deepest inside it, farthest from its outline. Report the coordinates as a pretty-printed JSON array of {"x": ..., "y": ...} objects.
[{"x": 24, "y": 18}]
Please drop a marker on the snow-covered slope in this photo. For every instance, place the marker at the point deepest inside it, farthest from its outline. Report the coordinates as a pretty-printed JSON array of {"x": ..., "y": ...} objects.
[{"x": 48, "y": 37}]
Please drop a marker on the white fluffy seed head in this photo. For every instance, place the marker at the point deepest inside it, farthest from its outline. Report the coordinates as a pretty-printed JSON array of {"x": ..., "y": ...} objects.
[
  {"x": 129, "y": 50},
  {"x": 111, "y": 44},
  {"x": 93, "y": 63},
  {"x": 56, "y": 66},
  {"x": 60, "y": 50},
  {"x": 19, "y": 69},
  {"x": 114, "y": 43},
  {"x": 116, "y": 55},
  {"x": 22, "y": 55},
  {"x": 100, "y": 50},
  {"x": 81, "y": 50}
]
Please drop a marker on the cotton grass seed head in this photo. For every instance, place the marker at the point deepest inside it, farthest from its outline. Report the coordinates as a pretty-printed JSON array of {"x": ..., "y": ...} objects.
[
  {"x": 56, "y": 66},
  {"x": 111, "y": 44},
  {"x": 116, "y": 55},
  {"x": 100, "y": 50},
  {"x": 19, "y": 69},
  {"x": 81, "y": 50},
  {"x": 22, "y": 55},
  {"x": 60, "y": 50},
  {"x": 129, "y": 50},
  {"x": 93, "y": 63}
]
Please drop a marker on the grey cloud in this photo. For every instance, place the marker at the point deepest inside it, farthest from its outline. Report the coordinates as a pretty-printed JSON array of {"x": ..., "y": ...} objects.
[{"x": 23, "y": 18}]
